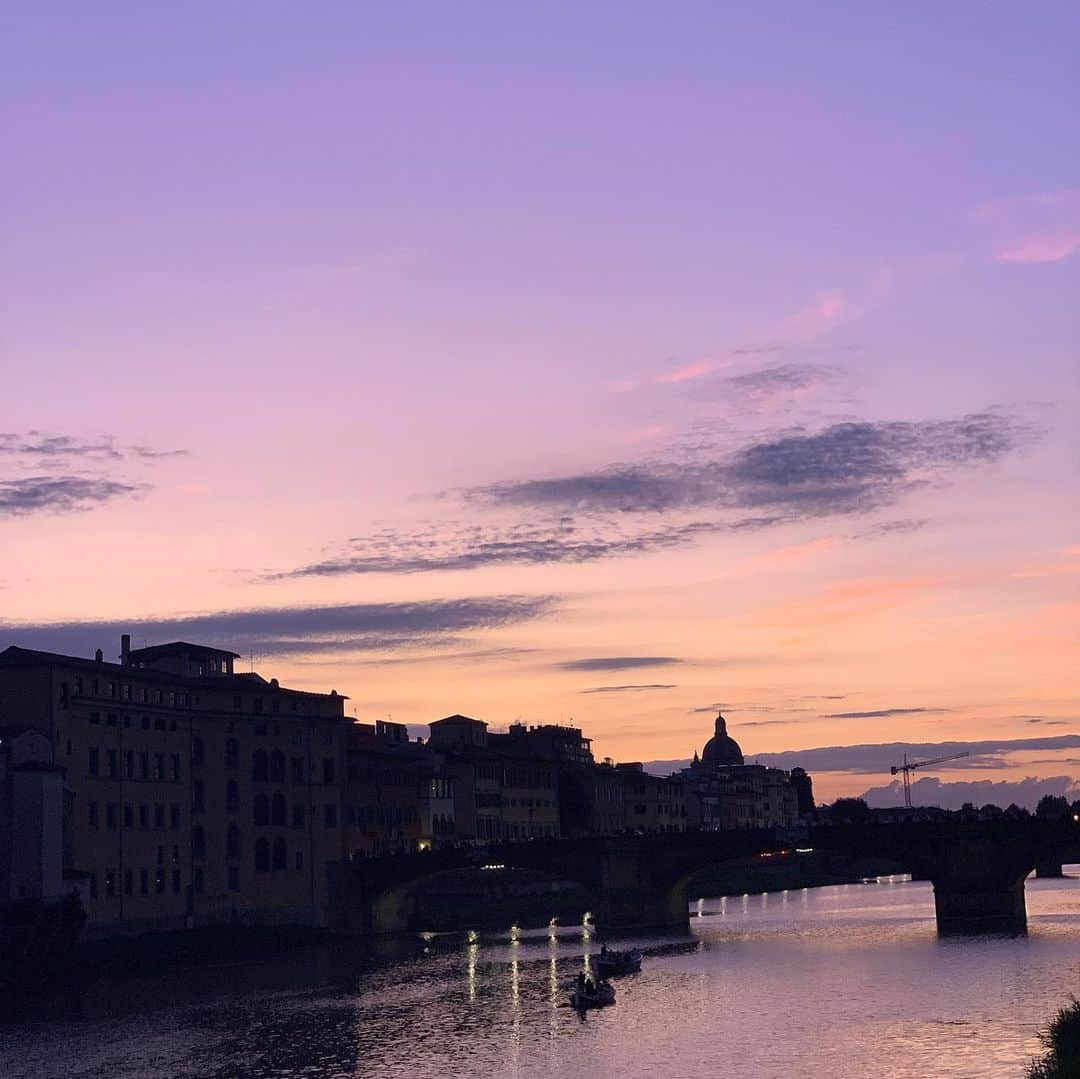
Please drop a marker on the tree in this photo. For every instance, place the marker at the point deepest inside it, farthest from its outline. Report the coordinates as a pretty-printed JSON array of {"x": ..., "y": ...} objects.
[
  {"x": 852, "y": 810},
  {"x": 1052, "y": 807}
]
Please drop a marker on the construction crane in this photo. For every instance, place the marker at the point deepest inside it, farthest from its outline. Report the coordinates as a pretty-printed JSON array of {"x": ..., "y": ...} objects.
[{"x": 910, "y": 766}]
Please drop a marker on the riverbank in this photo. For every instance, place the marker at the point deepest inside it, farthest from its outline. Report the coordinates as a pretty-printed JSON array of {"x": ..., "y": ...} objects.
[{"x": 1062, "y": 1041}]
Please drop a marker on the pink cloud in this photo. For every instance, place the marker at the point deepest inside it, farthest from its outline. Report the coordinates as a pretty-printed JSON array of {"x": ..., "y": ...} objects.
[
  {"x": 1044, "y": 248},
  {"x": 1032, "y": 228},
  {"x": 695, "y": 369}
]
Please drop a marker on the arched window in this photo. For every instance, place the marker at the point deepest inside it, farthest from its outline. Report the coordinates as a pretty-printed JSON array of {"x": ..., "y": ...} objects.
[
  {"x": 277, "y": 810},
  {"x": 232, "y": 841},
  {"x": 262, "y": 856},
  {"x": 259, "y": 766},
  {"x": 232, "y": 753},
  {"x": 277, "y": 766},
  {"x": 262, "y": 809},
  {"x": 197, "y": 751},
  {"x": 198, "y": 841},
  {"x": 279, "y": 854}
]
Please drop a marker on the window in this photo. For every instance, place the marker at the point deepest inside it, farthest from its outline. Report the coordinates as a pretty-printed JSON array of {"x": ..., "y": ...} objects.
[
  {"x": 328, "y": 770},
  {"x": 159, "y": 817},
  {"x": 197, "y": 752},
  {"x": 232, "y": 753},
  {"x": 110, "y": 883},
  {"x": 234, "y": 878},
  {"x": 261, "y": 809},
  {"x": 144, "y": 765},
  {"x": 280, "y": 862},
  {"x": 330, "y": 816},
  {"x": 197, "y": 800},
  {"x": 129, "y": 763},
  {"x": 144, "y": 816},
  {"x": 159, "y": 766},
  {"x": 174, "y": 766},
  {"x": 260, "y": 767},
  {"x": 110, "y": 719},
  {"x": 262, "y": 856},
  {"x": 145, "y": 719},
  {"x": 129, "y": 815},
  {"x": 93, "y": 762},
  {"x": 95, "y": 718},
  {"x": 298, "y": 815},
  {"x": 298, "y": 769},
  {"x": 91, "y": 814},
  {"x": 277, "y": 766},
  {"x": 174, "y": 818},
  {"x": 144, "y": 882},
  {"x": 197, "y": 881},
  {"x": 93, "y": 886},
  {"x": 176, "y": 881},
  {"x": 110, "y": 815},
  {"x": 111, "y": 769},
  {"x": 277, "y": 810},
  {"x": 232, "y": 841},
  {"x": 299, "y": 859},
  {"x": 159, "y": 880},
  {"x": 128, "y": 881},
  {"x": 232, "y": 796}
]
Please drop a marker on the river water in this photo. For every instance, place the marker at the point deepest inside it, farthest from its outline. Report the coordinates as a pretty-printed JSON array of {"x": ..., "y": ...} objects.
[{"x": 847, "y": 982}]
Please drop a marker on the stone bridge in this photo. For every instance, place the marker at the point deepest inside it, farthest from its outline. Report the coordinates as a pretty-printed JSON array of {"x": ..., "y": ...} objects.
[
  {"x": 977, "y": 868},
  {"x": 639, "y": 881},
  {"x": 636, "y": 881}
]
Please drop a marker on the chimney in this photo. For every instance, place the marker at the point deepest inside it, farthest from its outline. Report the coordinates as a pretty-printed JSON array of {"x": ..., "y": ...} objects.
[
  {"x": 125, "y": 648},
  {"x": 99, "y": 656}
]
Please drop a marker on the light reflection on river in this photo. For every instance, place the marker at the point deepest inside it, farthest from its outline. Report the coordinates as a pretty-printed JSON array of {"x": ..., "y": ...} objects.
[{"x": 848, "y": 982}]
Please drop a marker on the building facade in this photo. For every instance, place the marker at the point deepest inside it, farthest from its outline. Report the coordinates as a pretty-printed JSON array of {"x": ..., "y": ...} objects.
[{"x": 197, "y": 794}]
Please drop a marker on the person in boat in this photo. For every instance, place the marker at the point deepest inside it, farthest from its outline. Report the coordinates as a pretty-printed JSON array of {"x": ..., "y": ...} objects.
[{"x": 603, "y": 949}]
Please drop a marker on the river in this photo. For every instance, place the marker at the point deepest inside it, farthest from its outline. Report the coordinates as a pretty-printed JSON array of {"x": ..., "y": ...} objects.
[{"x": 847, "y": 982}]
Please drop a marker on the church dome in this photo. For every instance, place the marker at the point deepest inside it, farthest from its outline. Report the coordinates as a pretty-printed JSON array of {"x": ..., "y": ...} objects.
[{"x": 721, "y": 749}]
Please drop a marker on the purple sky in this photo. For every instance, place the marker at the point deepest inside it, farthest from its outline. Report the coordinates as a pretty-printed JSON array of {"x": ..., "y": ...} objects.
[{"x": 549, "y": 361}]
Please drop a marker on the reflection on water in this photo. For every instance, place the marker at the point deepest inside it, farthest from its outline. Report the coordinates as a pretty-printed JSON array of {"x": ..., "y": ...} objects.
[{"x": 838, "y": 983}]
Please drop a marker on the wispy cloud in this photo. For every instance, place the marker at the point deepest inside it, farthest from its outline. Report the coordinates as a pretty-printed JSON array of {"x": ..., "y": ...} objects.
[
  {"x": 874, "y": 758},
  {"x": 882, "y": 713},
  {"x": 434, "y": 548},
  {"x": 357, "y": 627},
  {"x": 616, "y": 663},
  {"x": 630, "y": 688},
  {"x": 41, "y": 445},
  {"x": 846, "y": 468},
  {"x": 60, "y": 494},
  {"x": 45, "y": 473}
]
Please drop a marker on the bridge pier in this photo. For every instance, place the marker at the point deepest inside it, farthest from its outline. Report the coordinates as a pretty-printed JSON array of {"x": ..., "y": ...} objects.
[{"x": 980, "y": 907}]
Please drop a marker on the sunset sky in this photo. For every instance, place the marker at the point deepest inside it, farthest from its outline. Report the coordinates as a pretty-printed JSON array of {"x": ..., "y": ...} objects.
[{"x": 607, "y": 363}]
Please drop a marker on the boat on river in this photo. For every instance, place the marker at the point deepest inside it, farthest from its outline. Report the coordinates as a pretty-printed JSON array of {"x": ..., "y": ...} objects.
[
  {"x": 612, "y": 964},
  {"x": 589, "y": 994}
]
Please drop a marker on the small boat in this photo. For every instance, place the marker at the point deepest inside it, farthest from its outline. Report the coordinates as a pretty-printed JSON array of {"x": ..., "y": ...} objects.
[
  {"x": 590, "y": 994},
  {"x": 610, "y": 964}
]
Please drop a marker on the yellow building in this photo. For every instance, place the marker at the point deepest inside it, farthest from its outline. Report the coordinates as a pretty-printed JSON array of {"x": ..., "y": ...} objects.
[{"x": 198, "y": 795}]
